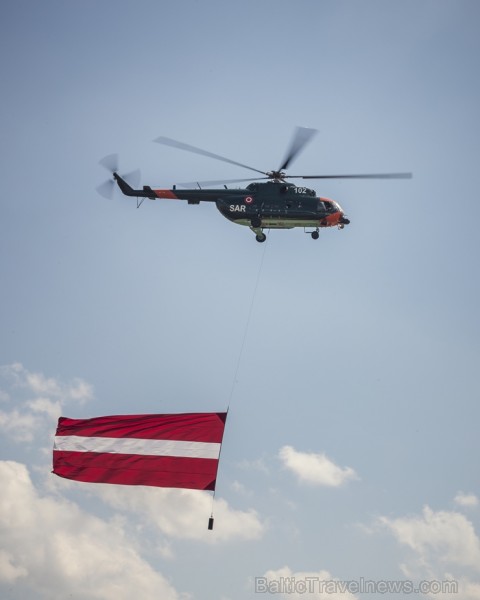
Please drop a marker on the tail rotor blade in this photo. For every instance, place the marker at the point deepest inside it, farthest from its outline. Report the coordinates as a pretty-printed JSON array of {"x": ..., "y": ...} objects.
[
  {"x": 106, "y": 189},
  {"x": 110, "y": 163},
  {"x": 133, "y": 178}
]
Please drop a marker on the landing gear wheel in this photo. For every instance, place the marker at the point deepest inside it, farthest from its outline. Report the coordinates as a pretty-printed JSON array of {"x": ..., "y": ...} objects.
[
  {"x": 260, "y": 237},
  {"x": 315, "y": 235}
]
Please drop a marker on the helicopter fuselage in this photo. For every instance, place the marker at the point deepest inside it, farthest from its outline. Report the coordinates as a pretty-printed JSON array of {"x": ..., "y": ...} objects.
[{"x": 271, "y": 205}]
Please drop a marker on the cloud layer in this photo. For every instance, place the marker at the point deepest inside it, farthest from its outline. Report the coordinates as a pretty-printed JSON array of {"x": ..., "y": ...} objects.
[
  {"x": 442, "y": 537},
  {"x": 53, "y": 547},
  {"x": 443, "y": 546},
  {"x": 305, "y": 585},
  {"x": 184, "y": 513}
]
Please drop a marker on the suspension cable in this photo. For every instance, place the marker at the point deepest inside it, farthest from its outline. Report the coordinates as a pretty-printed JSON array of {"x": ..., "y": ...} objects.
[
  {"x": 247, "y": 325},
  {"x": 239, "y": 360}
]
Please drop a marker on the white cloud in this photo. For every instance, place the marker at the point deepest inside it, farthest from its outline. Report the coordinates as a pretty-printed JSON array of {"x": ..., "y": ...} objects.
[
  {"x": 39, "y": 384},
  {"x": 469, "y": 590},
  {"x": 19, "y": 426},
  {"x": 438, "y": 537},
  {"x": 9, "y": 572},
  {"x": 77, "y": 390},
  {"x": 11, "y": 371},
  {"x": 182, "y": 513},
  {"x": 316, "y": 469},
  {"x": 52, "y": 547},
  {"x": 51, "y": 408},
  {"x": 444, "y": 546},
  {"x": 39, "y": 401},
  {"x": 258, "y": 464},
  {"x": 240, "y": 489},
  {"x": 466, "y": 500},
  {"x": 305, "y": 585}
]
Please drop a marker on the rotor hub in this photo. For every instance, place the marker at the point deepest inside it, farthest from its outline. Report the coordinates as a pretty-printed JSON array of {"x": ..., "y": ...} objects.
[{"x": 276, "y": 175}]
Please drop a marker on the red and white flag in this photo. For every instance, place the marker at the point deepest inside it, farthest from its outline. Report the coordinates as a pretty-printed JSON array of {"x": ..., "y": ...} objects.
[{"x": 171, "y": 450}]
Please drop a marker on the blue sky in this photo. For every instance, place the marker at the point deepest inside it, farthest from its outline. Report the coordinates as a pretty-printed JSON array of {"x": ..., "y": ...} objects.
[{"x": 351, "y": 448}]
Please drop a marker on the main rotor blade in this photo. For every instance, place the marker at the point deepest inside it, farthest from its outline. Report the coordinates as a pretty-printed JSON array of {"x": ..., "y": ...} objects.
[
  {"x": 301, "y": 138},
  {"x": 191, "y": 184},
  {"x": 181, "y": 146},
  {"x": 366, "y": 176}
]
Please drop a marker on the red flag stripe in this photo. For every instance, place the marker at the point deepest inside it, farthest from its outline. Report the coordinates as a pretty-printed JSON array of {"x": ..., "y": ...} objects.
[
  {"x": 135, "y": 469},
  {"x": 197, "y": 427},
  {"x": 77, "y": 443}
]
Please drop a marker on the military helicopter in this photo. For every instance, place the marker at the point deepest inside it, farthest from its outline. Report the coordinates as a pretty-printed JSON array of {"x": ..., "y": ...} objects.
[{"x": 271, "y": 204}]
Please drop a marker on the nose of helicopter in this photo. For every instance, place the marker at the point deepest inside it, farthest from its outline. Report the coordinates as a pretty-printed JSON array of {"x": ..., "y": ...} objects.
[
  {"x": 342, "y": 219},
  {"x": 335, "y": 214}
]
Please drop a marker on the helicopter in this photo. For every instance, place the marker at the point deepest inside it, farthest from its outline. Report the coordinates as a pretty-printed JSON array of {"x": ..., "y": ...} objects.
[{"x": 268, "y": 202}]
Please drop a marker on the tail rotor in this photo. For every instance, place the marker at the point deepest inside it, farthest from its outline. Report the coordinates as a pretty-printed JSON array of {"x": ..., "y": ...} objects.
[{"x": 111, "y": 164}]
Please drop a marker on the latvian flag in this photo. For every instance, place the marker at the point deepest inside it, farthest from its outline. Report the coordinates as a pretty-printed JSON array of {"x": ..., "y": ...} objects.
[{"x": 171, "y": 450}]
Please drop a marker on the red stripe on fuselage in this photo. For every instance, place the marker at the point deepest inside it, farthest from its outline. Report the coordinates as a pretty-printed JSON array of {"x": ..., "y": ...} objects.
[{"x": 168, "y": 194}]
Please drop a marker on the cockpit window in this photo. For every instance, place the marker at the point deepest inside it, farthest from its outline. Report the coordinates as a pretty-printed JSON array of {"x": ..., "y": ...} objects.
[{"x": 328, "y": 206}]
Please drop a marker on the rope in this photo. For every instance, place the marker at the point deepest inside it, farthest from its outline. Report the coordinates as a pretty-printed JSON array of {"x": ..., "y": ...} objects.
[
  {"x": 240, "y": 355},
  {"x": 249, "y": 317}
]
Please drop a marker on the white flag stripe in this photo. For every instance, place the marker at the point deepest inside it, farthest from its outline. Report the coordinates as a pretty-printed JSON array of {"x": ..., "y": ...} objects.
[{"x": 77, "y": 443}]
